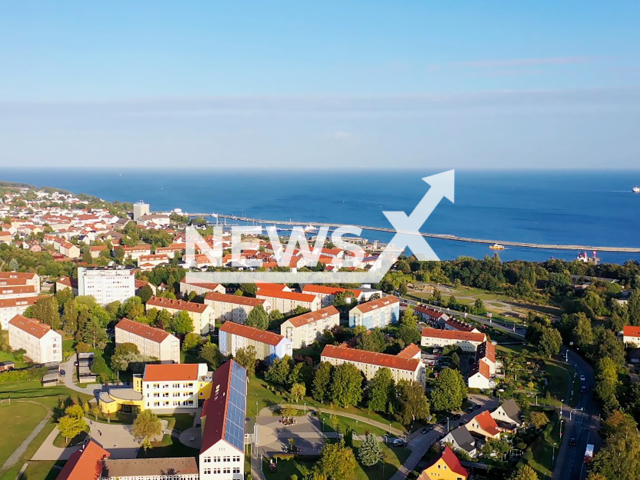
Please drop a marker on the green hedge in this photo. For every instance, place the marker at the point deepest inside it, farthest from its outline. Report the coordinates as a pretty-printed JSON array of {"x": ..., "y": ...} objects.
[{"x": 22, "y": 375}]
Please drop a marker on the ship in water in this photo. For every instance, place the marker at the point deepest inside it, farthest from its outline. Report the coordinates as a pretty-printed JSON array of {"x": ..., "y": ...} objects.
[
  {"x": 636, "y": 189},
  {"x": 496, "y": 246}
]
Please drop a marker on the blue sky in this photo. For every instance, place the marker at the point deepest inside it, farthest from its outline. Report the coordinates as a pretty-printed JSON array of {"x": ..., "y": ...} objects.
[{"x": 405, "y": 84}]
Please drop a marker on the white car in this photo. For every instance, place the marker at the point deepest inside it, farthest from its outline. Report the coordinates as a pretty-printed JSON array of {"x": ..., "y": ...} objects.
[{"x": 583, "y": 378}]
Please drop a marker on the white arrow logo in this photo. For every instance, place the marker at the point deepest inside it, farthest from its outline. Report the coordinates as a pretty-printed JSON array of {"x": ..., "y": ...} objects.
[{"x": 408, "y": 228}]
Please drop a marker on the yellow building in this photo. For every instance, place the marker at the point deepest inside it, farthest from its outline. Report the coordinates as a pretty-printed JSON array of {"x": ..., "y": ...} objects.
[
  {"x": 163, "y": 388},
  {"x": 445, "y": 467}
]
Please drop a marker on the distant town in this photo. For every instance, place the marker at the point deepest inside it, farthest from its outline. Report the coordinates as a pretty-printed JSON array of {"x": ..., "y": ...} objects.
[{"x": 115, "y": 364}]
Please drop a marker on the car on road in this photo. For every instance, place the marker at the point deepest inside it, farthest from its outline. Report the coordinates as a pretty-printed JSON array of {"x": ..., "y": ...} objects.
[
  {"x": 583, "y": 378},
  {"x": 573, "y": 442},
  {"x": 583, "y": 389},
  {"x": 426, "y": 429},
  {"x": 470, "y": 409},
  {"x": 457, "y": 416},
  {"x": 398, "y": 442},
  {"x": 443, "y": 421},
  {"x": 62, "y": 373},
  {"x": 477, "y": 407}
]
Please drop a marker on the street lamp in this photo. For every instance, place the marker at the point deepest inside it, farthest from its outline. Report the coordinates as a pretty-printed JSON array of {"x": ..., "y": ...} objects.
[
  {"x": 356, "y": 427},
  {"x": 553, "y": 453}
]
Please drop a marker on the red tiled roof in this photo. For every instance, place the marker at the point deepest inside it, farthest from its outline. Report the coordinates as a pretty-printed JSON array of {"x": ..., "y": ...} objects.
[
  {"x": 487, "y": 350},
  {"x": 255, "y": 334},
  {"x": 323, "y": 289},
  {"x": 457, "y": 325},
  {"x": 138, "y": 248},
  {"x": 453, "y": 335},
  {"x": 17, "y": 289},
  {"x": 487, "y": 422},
  {"x": 235, "y": 299},
  {"x": 409, "y": 351},
  {"x": 84, "y": 464},
  {"x": 162, "y": 302},
  {"x": 311, "y": 317},
  {"x": 170, "y": 372},
  {"x": 453, "y": 462},
  {"x": 429, "y": 312},
  {"x": 15, "y": 302},
  {"x": 378, "y": 303},
  {"x": 151, "y": 333},
  {"x": 371, "y": 358},
  {"x": 631, "y": 331},
  {"x": 31, "y": 326},
  {"x": 298, "y": 297},
  {"x": 482, "y": 368},
  {"x": 150, "y": 258},
  {"x": 215, "y": 408},
  {"x": 16, "y": 275}
]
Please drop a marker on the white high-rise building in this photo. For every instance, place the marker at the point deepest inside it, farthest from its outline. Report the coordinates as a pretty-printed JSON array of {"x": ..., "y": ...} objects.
[
  {"x": 139, "y": 209},
  {"x": 107, "y": 285}
]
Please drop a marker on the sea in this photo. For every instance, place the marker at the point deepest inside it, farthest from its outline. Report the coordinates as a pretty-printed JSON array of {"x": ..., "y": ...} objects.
[{"x": 549, "y": 207}]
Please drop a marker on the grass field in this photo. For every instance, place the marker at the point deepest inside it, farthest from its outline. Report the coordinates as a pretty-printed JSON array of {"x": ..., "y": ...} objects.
[
  {"x": 20, "y": 419},
  {"x": 345, "y": 424},
  {"x": 543, "y": 452},
  {"x": 168, "y": 447},
  {"x": 9, "y": 357}
]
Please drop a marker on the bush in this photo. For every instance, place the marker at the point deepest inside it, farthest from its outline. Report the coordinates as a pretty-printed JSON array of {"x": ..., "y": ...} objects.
[{"x": 23, "y": 375}]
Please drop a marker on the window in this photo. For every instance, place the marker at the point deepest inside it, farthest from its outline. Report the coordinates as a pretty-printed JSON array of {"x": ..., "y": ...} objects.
[
  {"x": 207, "y": 459},
  {"x": 236, "y": 469}
]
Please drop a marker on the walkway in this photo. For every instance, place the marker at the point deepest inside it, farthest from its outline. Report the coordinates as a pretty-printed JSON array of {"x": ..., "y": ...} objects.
[
  {"x": 69, "y": 368},
  {"x": 17, "y": 454}
]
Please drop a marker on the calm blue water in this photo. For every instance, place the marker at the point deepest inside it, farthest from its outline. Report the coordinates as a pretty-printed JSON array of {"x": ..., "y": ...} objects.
[{"x": 594, "y": 208}]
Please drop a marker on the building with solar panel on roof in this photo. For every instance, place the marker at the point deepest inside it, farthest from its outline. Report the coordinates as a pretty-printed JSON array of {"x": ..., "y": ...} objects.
[{"x": 223, "y": 422}]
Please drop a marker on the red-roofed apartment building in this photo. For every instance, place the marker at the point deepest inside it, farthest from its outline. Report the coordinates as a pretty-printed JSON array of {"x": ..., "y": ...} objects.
[
  {"x": 201, "y": 288},
  {"x": 484, "y": 424},
  {"x": 305, "y": 329},
  {"x": 41, "y": 343},
  {"x": 201, "y": 314},
  {"x": 286, "y": 302},
  {"x": 328, "y": 294},
  {"x": 376, "y": 313},
  {"x": 234, "y": 336},
  {"x": 10, "y": 307},
  {"x": 223, "y": 421},
  {"x": 467, "y": 341},
  {"x": 369, "y": 363},
  {"x": 84, "y": 464},
  {"x": 631, "y": 336},
  {"x": 151, "y": 342},
  {"x": 234, "y": 308}
]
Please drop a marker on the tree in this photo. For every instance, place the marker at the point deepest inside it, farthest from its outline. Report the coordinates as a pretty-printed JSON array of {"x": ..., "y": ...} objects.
[
  {"x": 247, "y": 358},
  {"x": 583, "y": 332},
  {"x": 478, "y": 307},
  {"x": 275, "y": 316},
  {"x": 279, "y": 370},
  {"x": 412, "y": 402},
  {"x": 322, "y": 383},
  {"x": 449, "y": 391},
  {"x": 538, "y": 419},
  {"x": 182, "y": 323},
  {"x": 258, "y": 318},
  {"x": 525, "y": 472},
  {"x": 550, "y": 342},
  {"x": 124, "y": 355},
  {"x": 146, "y": 426},
  {"x": 94, "y": 333},
  {"x": 211, "y": 354},
  {"x": 371, "y": 340},
  {"x": 408, "y": 331},
  {"x": 381, "y": 391},
  {"x": 145, "y": 293},
  {"x": 620, "y": 456},
  {"x": 607, "y": 383},
  {"x": 370, "y": 452},
  {"x": 46, "y": 310},
  {"x": 191, "y": 342},
  {"x": 72, "y": 423},
  {"x": 132, "y": 308},
  {"x": 298, "y": 391},
  {"x": 633, "y": 307},
  {"x": 337, "y": 462},
  {"x": 346, "y": 385}
]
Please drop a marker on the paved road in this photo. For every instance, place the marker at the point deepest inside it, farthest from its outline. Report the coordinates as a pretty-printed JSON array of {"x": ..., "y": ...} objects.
[
  {"x": 583, "y": 426},
  {"x": 419, "y": 442},
  {"x": 69, "y": 368}
]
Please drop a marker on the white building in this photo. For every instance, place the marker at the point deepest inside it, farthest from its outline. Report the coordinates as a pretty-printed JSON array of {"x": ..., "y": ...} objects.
[
  {"x": 328, "y": 294},
  {"x": 107, "y": 285},
  {"x": 467, "y": 341},
  {"x": 286, "y": 302},
  {"x": 479, "y": 376},
  {"x": 139, "y": 209},
  {"x": 631, "y": 336},
  {"x": 151, "y": 342},
  {"x": 223, "y": 425},
  {"x": 234, "y": 336},
  {"x": 403, "y": 366},
  {"x": 376, "y": 313},
  {"x": 201, "y": 288},
  {"x": 10, "y": 307},
  {"x": 305, "y": 329},
  {"x": 233, "y": 308},
  {"x": 174, "y": 387},
  {"x": 41, "y": 343}
]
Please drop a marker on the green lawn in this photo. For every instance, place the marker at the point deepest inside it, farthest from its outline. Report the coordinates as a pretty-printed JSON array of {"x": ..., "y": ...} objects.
[
  {"x": 32, "y": 390},
  {"x": 9, "y": 357},
  {"x": 43, "y": 470},
  {"x": 258, "y": 392},
  {"x": 345, "y": 424},
  {"x": 560, "y": 376},
  {"x": 179, "y": 421},
  {"x": 168, "y": 447},
  {"x": 543, "y": 452},
  {"x": 393, "y": 458},
  {"x": 19, "y": 419}
]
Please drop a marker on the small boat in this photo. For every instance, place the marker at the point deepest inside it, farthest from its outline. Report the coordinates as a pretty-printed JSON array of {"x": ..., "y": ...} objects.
[
  {"x": 636, "y": 189},
  {"x": 310, "y": 228},
  {"x": 496, "y": 246}
]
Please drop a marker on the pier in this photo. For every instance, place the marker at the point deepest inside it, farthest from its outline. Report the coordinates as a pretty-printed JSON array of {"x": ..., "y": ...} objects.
[{"x": 441, "y": 236}]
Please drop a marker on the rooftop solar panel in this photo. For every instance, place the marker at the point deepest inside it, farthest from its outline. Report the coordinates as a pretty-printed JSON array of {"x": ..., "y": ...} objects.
[{"x": 234, "y": 426}]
